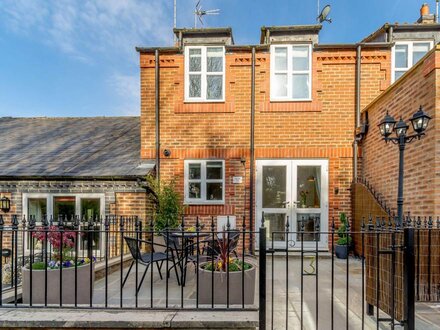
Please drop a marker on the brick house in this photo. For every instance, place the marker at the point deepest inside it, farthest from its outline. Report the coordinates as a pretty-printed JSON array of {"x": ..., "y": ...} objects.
[
  {"x": 276, "y": 127},
  {"x": 86, "y": 167}
]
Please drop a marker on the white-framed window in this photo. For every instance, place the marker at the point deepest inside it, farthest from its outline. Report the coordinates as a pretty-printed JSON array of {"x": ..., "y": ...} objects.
[
  {"x": 407, "y": 53},
  {"x": 291, "y": 72},
  {"x": 204, "y": 73},
  {"x": 68, "y": 205},
  {"x": 204, "y": 181}
]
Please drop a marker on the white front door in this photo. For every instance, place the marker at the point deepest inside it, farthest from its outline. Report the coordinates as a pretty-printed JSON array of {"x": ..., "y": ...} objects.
[{"x": 293, "y": 192}]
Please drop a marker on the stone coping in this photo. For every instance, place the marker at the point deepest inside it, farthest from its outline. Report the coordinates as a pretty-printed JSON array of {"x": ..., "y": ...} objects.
[{"x": 119, "y": 319}]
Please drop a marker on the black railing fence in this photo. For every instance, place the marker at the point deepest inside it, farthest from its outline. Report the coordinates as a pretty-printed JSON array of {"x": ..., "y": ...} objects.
[
  {"x": 125, "y": 263},
  {"x": 294, "y": 279}
]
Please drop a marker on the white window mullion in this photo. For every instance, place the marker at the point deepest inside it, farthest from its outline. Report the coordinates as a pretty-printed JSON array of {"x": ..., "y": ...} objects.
[{"x": 203, "y": 179}]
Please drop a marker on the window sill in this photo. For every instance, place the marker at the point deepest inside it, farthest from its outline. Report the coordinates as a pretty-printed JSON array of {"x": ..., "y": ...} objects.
[
  {"x": 191, "y": 203},
  {"x": 188, "y": 101},
  {"x": 290, "y": 100}
]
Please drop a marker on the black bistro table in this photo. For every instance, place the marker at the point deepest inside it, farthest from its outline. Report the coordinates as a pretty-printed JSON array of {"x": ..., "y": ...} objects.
[{"x": 186, "y": 248}]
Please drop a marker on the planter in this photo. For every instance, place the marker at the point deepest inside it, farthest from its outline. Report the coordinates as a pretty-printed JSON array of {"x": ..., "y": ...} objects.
[
  {"x": 220, "y": 286},
  {"x": 53, "y": 285},
  {"x": 341, "y": 251}
]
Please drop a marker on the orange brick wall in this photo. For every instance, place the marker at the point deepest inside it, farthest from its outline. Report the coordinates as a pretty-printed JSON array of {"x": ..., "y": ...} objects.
[
  {"x": 380, "y": 160},
  {"x": 322, "y": 128}
]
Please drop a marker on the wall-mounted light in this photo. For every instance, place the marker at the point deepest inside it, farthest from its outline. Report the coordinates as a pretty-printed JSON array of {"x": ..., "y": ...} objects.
[
  {"x": 5, "y": 204},
  {"x": 167, "y": 153}
]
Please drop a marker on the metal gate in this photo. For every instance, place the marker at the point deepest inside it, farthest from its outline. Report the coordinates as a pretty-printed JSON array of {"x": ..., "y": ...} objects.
[{"x": 313, "y": 289}]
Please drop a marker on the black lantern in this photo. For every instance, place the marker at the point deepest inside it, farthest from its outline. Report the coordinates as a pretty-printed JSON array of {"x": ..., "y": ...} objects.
[
  {"x": 401, "y": 128},
  {"x": 420, "y": 121},
  {"x": 387, "y": 125},
  {"x": 5, "y": 204}
]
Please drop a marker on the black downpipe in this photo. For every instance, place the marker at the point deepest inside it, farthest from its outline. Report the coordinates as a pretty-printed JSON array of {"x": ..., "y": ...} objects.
[
  {"x": 358, "y": 110},
  {"x": 157, "y": 104},
  {"x": 251, "y": 184}
]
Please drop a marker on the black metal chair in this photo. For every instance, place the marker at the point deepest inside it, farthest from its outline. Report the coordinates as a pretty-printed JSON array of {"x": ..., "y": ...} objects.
[{"x": 148, "y": 258}]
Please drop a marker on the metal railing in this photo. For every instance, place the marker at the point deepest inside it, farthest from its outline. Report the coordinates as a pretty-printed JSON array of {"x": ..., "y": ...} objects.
[
  {"x": 126, "y": 263},
  {"x": 292, "y": 280}
]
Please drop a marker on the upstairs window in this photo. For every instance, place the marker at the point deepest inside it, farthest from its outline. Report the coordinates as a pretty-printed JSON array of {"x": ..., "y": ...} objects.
[
  {"x": 204, "y": 181},
  {"x": 406, "y": 54},
  {"x": 204, "y": 73},
  {"x": 291, "y": 73}
]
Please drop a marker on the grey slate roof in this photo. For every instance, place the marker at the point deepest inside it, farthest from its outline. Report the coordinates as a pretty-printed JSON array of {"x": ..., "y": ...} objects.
[{"x": 71, "y": 147}]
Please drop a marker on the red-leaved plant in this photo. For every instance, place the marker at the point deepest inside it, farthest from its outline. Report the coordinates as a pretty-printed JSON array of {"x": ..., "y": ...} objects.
[{"x": 62, "y": 244}]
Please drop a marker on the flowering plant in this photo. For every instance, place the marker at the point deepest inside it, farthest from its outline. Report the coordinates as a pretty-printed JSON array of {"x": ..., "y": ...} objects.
[
  {"x": 224, "y": 261},
  {"x": 62, "y": 244}
]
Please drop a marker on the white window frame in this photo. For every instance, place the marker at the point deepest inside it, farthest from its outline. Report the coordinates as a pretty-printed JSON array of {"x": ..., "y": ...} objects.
[
  {"x": 289, "y": 72},
  {"x": 410, "y": 45},
  {"x": 203, "y": 181},
  {"x": 49, "y": 208},
  {"x": 204, "y": 74}
]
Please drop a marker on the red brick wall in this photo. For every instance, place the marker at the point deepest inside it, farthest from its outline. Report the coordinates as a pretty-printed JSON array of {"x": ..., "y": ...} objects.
[
  {"x": 322, "y": 128},
  {"x": 380, "y": 160}
]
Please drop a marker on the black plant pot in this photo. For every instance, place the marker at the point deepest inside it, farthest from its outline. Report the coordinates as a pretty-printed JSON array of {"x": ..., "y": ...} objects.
[{"x": 341, "y": 251}]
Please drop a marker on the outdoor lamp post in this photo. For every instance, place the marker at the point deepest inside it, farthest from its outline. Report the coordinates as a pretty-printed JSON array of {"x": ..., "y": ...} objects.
[{"x": 419, "y": 123}]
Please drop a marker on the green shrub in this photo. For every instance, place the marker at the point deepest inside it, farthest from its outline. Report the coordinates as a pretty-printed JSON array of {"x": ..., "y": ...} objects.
[
  {"x": 344, "y": 238},
  {"x": 168, "y": 205}
]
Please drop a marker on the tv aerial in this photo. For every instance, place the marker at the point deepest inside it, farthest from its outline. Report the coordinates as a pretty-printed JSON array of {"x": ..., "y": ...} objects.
[
  {"x": 199, "y": 13},
  {"x": 322, "y": 16}
]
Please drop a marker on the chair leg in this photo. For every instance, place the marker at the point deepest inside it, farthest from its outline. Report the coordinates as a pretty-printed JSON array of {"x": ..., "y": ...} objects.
[
  {"x": 128, "y": 273},
  {"x": 143, "y": 277},
  {"x": 175, "y": 270},
  {"x": 159, "y": 267}
]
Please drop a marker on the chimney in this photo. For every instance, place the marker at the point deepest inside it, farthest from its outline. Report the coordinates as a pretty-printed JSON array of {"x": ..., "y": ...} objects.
[{"x": 425, "y": 16}]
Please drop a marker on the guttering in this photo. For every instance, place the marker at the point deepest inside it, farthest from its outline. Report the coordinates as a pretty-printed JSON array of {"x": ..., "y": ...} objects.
[
  {"x": 152, "y": 50},
  {"x": 71, "y": 178},
  {"x": 354, "y": 46},
  {"x": 157, "y": 108},
  {"x": 252, "y": 152}
]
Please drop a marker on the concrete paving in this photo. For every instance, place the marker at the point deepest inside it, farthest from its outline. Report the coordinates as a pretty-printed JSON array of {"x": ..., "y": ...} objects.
[{"x": 285, "y": 284}]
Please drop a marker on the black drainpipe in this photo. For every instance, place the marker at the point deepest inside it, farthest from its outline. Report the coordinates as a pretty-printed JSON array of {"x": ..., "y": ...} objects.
[
  {"x": 251, "y": 192},
  {"x": 157, "y": 101},
  {"x": 358, "y": 109}
]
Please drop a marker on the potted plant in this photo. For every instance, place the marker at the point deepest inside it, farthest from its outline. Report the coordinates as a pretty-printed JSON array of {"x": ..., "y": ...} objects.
[
  {"x": 344, "y": 239},
  {"x": 62, "y": 260},
  {"x": 216, "y": 272}
]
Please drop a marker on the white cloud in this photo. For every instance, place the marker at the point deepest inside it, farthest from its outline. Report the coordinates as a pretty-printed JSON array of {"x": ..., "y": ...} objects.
[{"x": 86, "y": 28}]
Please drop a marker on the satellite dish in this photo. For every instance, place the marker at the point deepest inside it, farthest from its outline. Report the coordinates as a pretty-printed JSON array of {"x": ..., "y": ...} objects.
[
  {"x": 323, "y": 15},
  {"x": 199, "y": 13}
]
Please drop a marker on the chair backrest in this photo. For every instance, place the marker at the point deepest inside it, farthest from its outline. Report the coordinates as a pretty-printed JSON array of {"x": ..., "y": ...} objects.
[
  {"x": 133, "y": 245},
  {"x": 171, "y": 241}
]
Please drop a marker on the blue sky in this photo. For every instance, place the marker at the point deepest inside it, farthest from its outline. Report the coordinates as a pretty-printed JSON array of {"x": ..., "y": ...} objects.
[{"x": 77, "y": 57}]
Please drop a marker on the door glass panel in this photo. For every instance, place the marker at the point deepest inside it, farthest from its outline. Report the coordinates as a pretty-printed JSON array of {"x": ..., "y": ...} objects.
[
  {"x": 37, "y": 208},
  {"x": 274, "y": 186},
  {"x": 308, "y": 227},
  {"x": 276, "y": 226},
  {"x": 64, "y": 206},
  {"x": 309, "y": 187}
]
